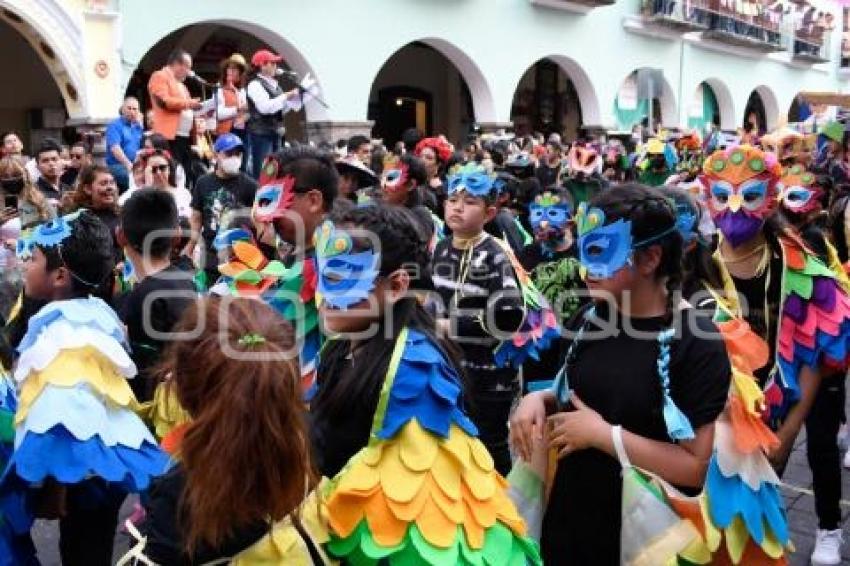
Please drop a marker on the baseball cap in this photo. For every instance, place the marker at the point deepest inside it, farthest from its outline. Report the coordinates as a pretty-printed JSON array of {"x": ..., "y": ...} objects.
[
  {"x": 264, "y": 56},
  {"x": 227, "y": 142}
]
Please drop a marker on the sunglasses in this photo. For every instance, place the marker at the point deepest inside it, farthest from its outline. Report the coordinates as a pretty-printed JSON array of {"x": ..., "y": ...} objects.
[
  {"x": 159, "y": 168},
  {"x": 76, "y": 156}
]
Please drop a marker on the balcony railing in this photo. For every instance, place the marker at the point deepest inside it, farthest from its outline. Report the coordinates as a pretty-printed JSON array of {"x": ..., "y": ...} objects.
[
  {"x": 759, "y": 29},
  {"x": 763, "y": 30},
  {"x": 811, "y": 45}
]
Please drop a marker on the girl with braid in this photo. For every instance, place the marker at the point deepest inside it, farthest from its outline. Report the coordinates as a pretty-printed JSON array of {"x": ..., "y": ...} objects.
[
  {"x": 413, "y": 484},
  {"x": 658, "y": 403}
]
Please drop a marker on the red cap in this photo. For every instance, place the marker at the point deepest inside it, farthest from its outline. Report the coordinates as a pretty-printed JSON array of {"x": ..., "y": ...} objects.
[{"x": 264, "y": 56}]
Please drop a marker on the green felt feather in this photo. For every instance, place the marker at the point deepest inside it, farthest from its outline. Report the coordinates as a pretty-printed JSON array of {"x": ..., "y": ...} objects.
[
  {"x": 815, "y": 267},
  {"x": 501, "y": 547},
  {"x": 249, "y": 276},
  {"x": 799, "y": 283},
  {"x": 432, "y": 554},
  {"x": 274, "y": 269}
]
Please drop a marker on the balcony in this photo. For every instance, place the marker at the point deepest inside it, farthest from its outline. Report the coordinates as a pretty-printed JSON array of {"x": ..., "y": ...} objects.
[
  {"x": 811, "y": 46},
  {"x": 759, "y": 30},
  {"x": 678, "y": 15}
]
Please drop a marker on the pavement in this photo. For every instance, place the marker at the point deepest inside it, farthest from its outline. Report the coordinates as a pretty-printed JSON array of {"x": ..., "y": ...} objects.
[{"x": 797, "y": 491}]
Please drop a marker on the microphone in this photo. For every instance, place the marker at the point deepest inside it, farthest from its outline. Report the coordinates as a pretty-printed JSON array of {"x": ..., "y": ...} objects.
[
  {"x": 284, "y": 72},
  {"x": 193, "y": 75}
]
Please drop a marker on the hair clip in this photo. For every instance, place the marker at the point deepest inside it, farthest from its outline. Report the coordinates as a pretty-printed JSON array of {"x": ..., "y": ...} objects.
[{"x": 252, "y": 339}]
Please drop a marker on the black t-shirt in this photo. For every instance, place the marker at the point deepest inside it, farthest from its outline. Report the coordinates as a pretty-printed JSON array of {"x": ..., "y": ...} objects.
[
  {"x": 762, "y": 295},
  {"x": 213, "y": 196},
  {"x": 109, "y": 217},
  {"x": 175, "y": 291},
  {"x": 166, "y": 532},
  {"x": 582, "y": 521}
]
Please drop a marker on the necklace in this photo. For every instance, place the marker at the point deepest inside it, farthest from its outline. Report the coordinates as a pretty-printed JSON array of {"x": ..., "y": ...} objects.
[{"x": 468, "y": 246}]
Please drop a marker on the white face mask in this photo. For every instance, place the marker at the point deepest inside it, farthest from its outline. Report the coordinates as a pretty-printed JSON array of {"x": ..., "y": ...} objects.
[{"x": 230, "y": 165}]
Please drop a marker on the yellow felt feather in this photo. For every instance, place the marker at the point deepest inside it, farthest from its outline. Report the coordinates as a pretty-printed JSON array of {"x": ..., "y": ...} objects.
[
  {"x": 73, "y": 366},
  {"x": 284, "y": 545},
  {"x": 438, "y": 484}
]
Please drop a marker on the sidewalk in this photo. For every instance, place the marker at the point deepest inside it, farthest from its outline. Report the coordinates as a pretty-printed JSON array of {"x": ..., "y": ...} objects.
[{"x": 800, "y": 503}]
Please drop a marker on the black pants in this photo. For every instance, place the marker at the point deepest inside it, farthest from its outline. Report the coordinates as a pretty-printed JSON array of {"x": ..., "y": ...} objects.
[
  {"x": 181, "y": 151},
  {"x": 490, "y": 410},
  {"x": 87, "y": 531},
  {"x": 822, "y": 425}
]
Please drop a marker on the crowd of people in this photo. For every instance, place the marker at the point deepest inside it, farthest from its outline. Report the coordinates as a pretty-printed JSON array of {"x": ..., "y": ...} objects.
[{"x": 512, "y": 351}]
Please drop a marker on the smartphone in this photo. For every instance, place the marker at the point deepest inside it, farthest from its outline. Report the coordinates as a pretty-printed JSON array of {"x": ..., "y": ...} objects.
[{"x": 10, "y": 201}]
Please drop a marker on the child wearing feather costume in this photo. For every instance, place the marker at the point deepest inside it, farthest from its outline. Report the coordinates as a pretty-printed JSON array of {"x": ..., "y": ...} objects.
[
  {"x": 489, "y": 306},
  {"x": 795, "y": 325},
  {"x": 412, "y": 483},
  {"x": 79, "y": 447},
  {"x": 643, "y": 383}
]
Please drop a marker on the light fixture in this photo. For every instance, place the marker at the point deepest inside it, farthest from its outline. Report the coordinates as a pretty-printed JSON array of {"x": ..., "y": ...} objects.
[{"x": 399, "y": 101}]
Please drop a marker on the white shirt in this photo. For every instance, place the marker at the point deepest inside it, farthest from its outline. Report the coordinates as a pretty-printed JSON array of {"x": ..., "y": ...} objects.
[
  {"x": 187, "y": 119},
  {"x": 227, "y": 112},
  {"x": 182, "y": 198},
  {"x": 264, "y": 103}
]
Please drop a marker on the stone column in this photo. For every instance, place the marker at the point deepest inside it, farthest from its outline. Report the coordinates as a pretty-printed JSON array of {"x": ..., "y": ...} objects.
[{"x": 331, "y": 131}]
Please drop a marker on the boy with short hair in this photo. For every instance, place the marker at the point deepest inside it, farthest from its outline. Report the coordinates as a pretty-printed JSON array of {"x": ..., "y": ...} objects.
[
  {"x": 79, "y": 447},
  {"x": 480, "y": 292},
  {"x": 149, "y": 230},
  {"x": 298, "y": 186}
]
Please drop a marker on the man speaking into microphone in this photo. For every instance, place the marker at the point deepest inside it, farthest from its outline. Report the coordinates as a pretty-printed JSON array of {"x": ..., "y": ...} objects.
[
  {"x": 173, "y": 106},
  {"x": 267, "y": 103}
]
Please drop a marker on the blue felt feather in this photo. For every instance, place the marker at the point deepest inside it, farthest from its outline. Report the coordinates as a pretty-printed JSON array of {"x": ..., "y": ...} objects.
[
  {"x": 72, "y": 461},
  {"x": 427, "y": 388},
  {"x": 92, "y": 312},
  {"x": 16, "y": 520},
  {"x": 84, "y": 414},
  {"x": 509, "y": 354},
  {"x": 729, "y": 497}
]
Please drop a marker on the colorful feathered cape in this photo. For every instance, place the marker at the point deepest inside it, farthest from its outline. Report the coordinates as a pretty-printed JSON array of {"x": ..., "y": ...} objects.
[
  {"x": 74, "y": 420},
  {"x": 539, "y": 327},
  {"x": 814, "y": 326},
  {"x": 741, "y": 516},
  {"x": 291, "y": 291},
  {"x": 75, "y": 403},
  {"x": 424, "y": 490}
]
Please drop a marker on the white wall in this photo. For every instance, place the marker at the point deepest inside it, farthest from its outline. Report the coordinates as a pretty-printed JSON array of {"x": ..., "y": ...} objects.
[{"x": 493, "y": 42}]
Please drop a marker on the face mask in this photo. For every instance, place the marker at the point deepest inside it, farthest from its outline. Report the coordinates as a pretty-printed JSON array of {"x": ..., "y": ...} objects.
[
  {"x": 231, "y": 165},
  {"x": 549, "y": 216},
  {"x": 605, "y": 249},
  {"x": 740, "y": 191},
  {"x": 345, "y": 277},
  {"x": 12, "y": 186}
]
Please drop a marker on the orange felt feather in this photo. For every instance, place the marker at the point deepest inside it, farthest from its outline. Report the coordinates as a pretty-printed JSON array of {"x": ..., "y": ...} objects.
[
  {"x": 249, "y": 254},
  {"x": 750, "y": 431}
]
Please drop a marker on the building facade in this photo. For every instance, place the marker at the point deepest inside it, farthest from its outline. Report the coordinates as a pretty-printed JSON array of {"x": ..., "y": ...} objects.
[{"x": 448, "y": 66}]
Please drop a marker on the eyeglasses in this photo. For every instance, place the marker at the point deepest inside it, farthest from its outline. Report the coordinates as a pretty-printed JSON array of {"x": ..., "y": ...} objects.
[
  {"x": 76, "y": 156},
  {"x": 159, "y": 168}
]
